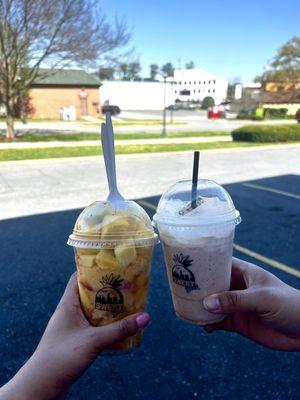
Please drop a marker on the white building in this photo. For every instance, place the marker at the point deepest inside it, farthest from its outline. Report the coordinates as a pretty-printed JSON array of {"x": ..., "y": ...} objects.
[
  {"x": 136, "y": 95},
  {"x": 196, "y": 84},
  {"x": 253, "y": 87}
]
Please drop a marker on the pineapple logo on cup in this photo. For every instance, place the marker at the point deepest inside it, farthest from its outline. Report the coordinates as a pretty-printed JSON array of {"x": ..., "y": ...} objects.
[
  {"x": 109, "y": 297},
  {"x": 181, "y": 273}
]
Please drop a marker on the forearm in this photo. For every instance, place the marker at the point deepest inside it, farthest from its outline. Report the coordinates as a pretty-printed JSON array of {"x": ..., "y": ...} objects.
[{"x": 35, "y": 381}]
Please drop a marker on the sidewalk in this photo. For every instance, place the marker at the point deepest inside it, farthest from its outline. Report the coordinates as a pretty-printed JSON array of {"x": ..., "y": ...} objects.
[
  {"x": 41, "y": 186},
  {"x": 32, "y": 145}
]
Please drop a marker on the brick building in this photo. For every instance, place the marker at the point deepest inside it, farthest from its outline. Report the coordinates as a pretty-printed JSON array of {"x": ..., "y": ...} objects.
[
  {"x": 71, "y": 88},
  {"x": 282, "y": 95}
]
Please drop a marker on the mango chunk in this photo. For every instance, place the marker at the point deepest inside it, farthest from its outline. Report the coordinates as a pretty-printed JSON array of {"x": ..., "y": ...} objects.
[
  {"x": 125, "y": 253},
  {"x": 86, "y": 260},
  {"x": 113, "y": 225},
  {"x": 106, "y": 259}
]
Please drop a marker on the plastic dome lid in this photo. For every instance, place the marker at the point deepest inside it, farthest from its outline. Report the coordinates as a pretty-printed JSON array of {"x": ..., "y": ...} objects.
[
  {"x": 100, "y": 225},
  {"x": 213, "y": 205}
]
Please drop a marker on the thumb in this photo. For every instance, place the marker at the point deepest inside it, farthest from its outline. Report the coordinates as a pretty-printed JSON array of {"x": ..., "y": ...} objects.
[
  {"x": 231, "y": 301},
  {"x": 120, "y": 330}
]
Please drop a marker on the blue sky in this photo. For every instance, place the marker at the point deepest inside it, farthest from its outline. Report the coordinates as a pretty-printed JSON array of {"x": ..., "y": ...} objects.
[{"x": 231, "y": 38}]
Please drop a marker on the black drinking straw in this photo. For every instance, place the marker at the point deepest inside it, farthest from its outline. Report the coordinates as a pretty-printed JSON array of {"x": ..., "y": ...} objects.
[{"x": 195, "y": 178}]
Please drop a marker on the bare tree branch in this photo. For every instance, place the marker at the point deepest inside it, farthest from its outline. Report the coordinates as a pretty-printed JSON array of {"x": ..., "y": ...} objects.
[{"x": 54, "y": 33}]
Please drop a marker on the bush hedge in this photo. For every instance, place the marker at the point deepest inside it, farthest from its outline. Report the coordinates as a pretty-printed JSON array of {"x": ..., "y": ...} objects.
[
  {"x": 276, "y": 113},
  {"x": 267, "y": 133}
]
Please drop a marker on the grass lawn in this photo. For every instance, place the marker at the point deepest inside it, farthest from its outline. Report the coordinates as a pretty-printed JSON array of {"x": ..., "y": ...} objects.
[
  {"x": 61, "y": 152},
  {"x": 119, "y": 136}
]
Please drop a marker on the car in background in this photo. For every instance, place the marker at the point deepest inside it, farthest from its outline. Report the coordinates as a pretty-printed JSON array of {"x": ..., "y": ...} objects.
[
  {"x": 226, "y": 104},
  {"x": 184, "y": 105},
  {"x": 188, "y": 105},
  {"x": 173, "y": 107},
  {"x": 108, "y": 108}
]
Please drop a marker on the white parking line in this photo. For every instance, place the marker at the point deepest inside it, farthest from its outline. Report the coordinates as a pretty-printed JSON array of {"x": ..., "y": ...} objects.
[
  {"x": 268, "y": 189},
  {"x": 267, "y": 260},
  {"x": 147, "y": 204}
]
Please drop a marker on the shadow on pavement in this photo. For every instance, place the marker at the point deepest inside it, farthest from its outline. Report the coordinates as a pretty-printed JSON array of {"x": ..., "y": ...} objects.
[{"x": 176, "y": 360}]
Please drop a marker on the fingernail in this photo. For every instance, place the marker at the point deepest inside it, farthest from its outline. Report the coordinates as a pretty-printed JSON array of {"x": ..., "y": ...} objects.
[
  {"x": 212, "y": 303},
  {"x": 142, "y": 320}
]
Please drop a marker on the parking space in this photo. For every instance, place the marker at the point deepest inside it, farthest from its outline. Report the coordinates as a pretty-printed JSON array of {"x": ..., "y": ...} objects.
[{"x": 175, "y": 357}]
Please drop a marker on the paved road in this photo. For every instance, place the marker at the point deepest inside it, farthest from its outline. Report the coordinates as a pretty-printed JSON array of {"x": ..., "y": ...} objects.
[
  {"x": 176, "y": 360},
  {"x": 31, "y": 187}
]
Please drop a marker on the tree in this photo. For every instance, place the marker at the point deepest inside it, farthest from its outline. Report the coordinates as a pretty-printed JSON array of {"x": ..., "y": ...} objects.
[
  {"x": 129, "y": 71},
  {"x": 55, "y": 32},
  {"x": 167, "y": 69},
  {"x": 106, "y": 73},
  {"x": 153, "y": 71},
  {"x": 190, "y": 65},
  {"x": 285, "y": 66},
  {"x": 134, "y": 69},
  {"x": 207, "y": 102},
  {"x": 123, "y": 70}
]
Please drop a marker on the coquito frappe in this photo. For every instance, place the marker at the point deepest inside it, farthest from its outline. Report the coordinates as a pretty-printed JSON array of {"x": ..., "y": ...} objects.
[{"x": 197, "y": 243}]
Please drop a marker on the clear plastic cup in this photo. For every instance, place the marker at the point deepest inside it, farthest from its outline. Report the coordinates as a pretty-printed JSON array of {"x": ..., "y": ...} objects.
[
  {"x": 113, "y": 253},
  {"x": 197, "y": 239}
]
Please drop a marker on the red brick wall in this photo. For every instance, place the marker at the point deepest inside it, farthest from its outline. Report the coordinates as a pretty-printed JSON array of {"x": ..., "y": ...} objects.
[{"x": 48, "y": 101}]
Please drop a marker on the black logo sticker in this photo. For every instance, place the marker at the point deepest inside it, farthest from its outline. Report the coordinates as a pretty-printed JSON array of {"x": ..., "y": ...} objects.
[
  {"x": 109, "y": 297},
  {"x": 181, "y": 273}
]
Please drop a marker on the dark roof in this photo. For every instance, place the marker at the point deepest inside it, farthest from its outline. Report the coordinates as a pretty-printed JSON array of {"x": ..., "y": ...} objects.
[
  {"x": 282, "y": 97},
  {"x": 66, "y": 77}
]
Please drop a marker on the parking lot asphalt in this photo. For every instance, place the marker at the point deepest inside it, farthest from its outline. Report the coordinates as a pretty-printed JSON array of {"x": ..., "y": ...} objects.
[{"x": 176, "y": 360}]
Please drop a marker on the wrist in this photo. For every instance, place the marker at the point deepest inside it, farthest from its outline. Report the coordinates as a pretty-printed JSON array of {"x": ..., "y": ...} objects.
[{"x": 36, "y": 380}]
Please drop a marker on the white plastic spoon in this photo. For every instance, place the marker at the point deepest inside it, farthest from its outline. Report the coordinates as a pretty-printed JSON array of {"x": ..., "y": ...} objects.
[{"x": 108, "y": 146}]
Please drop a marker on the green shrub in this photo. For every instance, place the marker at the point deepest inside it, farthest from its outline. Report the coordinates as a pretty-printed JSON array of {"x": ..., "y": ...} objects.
[
  {"x": 276, "y": 113},
  {"x": 267, "y": 133},
  {"x": 243, "y": 115},
  {"x": 207, "y": 102},
  {"x": 256, "y": 114},
  {"x": 258, "y": 118}
]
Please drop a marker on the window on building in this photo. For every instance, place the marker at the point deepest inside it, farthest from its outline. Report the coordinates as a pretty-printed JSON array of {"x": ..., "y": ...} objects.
[
  {"x": 190, "y": 82},
  {"x": 175, "y": 91},
  {"x": 214, "y": 81},
  {"x": 185, "y": 92},
  {"x": 185, "y": 83},
  {"x": 199, "y": 91},
  {"x": 179, "y": 83},
  {"x": 213, "y": 90},
  {"x": 194, "y": 90},
  {"x": 208, "y": 90},
  {"x": 204, "y": 82},
  {"x": 208, "y": 82},
  {"x": 195, "y": 82},
  {"x": 199, "y": 82}
]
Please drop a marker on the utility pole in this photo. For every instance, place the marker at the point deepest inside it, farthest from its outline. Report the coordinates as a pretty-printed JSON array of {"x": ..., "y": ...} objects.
[{"x": 164, "y": 131}]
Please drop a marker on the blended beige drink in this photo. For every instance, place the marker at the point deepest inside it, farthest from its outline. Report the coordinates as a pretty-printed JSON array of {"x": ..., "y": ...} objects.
[
  {"x": 113, "y": 252},
  {"x": 197, "y": 239}
]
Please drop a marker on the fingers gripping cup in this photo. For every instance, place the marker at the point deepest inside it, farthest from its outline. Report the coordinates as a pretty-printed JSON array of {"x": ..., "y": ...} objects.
[
  {"x": 113, "y": 251},
  {"x": 197, "y": 238}
]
